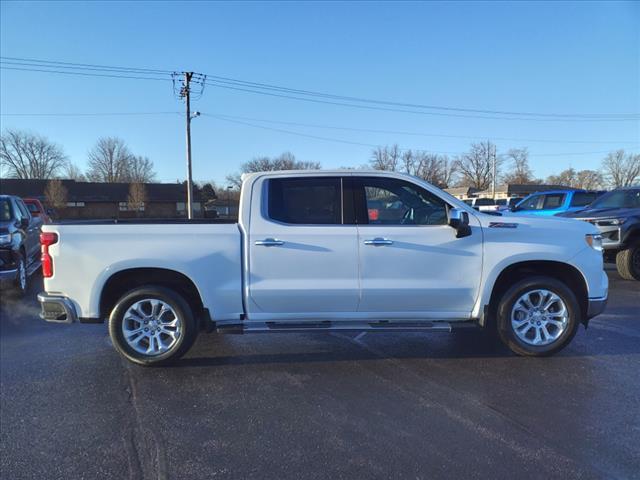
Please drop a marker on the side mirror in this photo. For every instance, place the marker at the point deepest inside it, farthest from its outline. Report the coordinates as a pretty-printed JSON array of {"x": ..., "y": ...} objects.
[
  {"x": 459, "y": 219},
  {"x": 24, "y": 222}
]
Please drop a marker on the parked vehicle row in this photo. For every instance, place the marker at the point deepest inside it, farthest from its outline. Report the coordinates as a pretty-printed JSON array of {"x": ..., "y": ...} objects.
[
  {"x": 617, "y": 215},
  {"x": 19, "y": 243},
  {"x": 325, "y": 251}
]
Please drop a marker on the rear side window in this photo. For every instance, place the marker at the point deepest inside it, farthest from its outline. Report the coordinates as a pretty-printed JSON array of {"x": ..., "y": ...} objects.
[
  {"x": 582, "y": 199},
  {"x": 33, "y": 208},
  {"x": 553, "y": 200},
  {"x": 306, "y": 201}
]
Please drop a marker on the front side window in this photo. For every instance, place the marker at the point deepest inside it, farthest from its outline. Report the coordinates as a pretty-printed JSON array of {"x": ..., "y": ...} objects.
[
  {"x": 553, "y": 200},
  {"x": 391, "y": 201},
  {"x": 531, "y": 203},
  {"x": 24, "y": 213},
  {"x": 306, "y": 201}
]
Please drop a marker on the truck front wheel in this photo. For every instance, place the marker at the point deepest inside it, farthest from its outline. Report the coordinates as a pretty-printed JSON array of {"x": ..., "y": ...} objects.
[
  {"x": 538, "y": 316},
  {"x": 152, "y": 325},
  {"x": 628, "y": 262}
]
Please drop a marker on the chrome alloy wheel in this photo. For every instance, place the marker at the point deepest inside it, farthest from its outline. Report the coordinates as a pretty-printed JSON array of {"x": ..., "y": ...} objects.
[
  {"x": 539, "y": 317},
  {"x": 151, "y": 327}
]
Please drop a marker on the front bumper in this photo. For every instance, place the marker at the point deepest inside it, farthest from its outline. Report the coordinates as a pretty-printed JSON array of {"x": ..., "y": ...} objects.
[
  {"x": 57, "y": 309},
  {"x": 8, "y": 275},
  {"x": 596, "y": 307}
]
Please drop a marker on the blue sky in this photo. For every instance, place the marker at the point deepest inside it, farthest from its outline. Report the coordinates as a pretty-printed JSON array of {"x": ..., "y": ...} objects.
[{"x": 528, "y": 57}]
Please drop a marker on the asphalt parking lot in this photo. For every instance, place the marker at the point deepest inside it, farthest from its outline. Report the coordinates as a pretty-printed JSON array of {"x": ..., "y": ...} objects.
[{"x": 320, "y": 405}]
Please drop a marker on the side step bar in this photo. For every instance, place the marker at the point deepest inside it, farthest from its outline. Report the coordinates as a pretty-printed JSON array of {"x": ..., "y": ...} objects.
[{"x": 354, "y": 326}]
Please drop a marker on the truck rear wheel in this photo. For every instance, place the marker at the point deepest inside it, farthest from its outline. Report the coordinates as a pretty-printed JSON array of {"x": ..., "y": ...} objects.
[
  {"x": 152, "y": 326},
  {"x": 628, "y": 262},
  {"x": 538, "y": 316}
]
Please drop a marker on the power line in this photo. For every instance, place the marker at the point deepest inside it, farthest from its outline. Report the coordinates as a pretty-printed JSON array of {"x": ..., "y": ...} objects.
[
  {"x": 421, "y": 134},
  {"x": 242, "y": 83},
  {"x": 322, "y": 97},
  {"x": 416, "y": 112},
  {"x": 371, "y": 145},
  {"x": 85, "y": 114},
  {"x": 308, "y": 125},
  {"x": 167, "y": 79},
  {"x": 110, "y": 67}
]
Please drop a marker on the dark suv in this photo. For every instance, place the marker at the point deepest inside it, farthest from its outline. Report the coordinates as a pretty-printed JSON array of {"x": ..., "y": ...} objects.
[
  {"x": 617, "y": 216},
  {"x": 19, "y": 243}
]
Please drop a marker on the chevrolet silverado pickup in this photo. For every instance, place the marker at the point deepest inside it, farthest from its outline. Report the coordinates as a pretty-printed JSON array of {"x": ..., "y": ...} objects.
[{"x": 318, "y": 251}]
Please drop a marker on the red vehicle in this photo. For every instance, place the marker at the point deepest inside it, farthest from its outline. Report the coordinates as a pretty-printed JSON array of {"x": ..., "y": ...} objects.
[{"x": 37, "y": 209}]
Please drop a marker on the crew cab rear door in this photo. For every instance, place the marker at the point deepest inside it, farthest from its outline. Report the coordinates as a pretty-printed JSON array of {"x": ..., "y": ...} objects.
[
  {"x": 411, "y": 263},
  {"x": 302, "y": 253}
]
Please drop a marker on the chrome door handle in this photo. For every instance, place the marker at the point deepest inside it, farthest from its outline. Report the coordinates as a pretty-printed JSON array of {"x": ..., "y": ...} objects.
[
  {"x": 269, "y": 242},
  {"x": 378, "y": 241}
]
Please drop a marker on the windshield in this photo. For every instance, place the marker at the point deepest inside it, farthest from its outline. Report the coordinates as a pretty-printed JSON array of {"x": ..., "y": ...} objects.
[
  {"x": 619, "y": 199},
  {"x": 5, "y": 211}
]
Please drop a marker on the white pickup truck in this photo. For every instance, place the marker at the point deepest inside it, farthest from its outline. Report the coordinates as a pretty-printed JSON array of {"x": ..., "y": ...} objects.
[{"x": 323, "y": 251}]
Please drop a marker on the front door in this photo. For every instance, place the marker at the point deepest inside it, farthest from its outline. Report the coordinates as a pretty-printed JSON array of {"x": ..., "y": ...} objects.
[
  {"x": 303, "y": 256},
  {"x": 411, "y": 263}
]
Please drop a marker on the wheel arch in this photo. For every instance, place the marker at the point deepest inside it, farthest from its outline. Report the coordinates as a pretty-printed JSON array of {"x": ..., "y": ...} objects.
[
  {"x": 562, "y": 271},
  {"x": 125, "y": 280}
]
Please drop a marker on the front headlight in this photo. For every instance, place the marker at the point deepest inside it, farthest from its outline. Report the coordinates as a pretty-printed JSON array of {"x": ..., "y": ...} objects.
[
  {"x": 594, "y": 241},
  {"x": 611, "y": 222},
  {"x": 5, "y": 238}
]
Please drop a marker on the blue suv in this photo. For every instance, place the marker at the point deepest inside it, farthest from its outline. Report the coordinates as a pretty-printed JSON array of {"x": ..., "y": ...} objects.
[{"x": 553, "y": 202}]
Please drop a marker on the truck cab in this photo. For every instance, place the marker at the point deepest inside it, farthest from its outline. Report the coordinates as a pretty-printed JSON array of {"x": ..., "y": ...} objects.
[{"x": 547, "y": 204}]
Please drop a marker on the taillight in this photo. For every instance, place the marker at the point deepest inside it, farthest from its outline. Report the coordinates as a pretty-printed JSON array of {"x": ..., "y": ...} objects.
[{"x": 47, "y": 239}]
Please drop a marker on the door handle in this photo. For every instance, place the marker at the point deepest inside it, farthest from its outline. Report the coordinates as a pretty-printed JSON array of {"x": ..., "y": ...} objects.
[
  {"x": 269, "y": 242},
  {"x": 378, "y": 241}
]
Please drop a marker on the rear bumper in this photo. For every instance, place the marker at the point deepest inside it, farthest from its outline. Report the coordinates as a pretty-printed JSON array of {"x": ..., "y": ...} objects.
[{"x": 57, "y": 309}]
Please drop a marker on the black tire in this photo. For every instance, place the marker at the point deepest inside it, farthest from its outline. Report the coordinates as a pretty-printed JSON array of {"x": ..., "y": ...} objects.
[
  {"x": 628, "y": 262},
  {"x": 182, "y": 310},
  {"x": 21, "y": 283},
  {"x": 511, "y": 296}
]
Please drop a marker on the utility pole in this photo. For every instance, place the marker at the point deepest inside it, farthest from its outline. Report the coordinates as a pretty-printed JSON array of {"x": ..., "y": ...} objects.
[
  {"x": 187, "y": 97},
  {"x": 185, "y": 92}
]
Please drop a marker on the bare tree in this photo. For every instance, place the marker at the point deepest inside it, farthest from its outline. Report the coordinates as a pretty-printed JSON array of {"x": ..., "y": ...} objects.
[
  {"x": 434, "y": 168},
  {"x": 109, "y": 161},
  {"x": 589, "y": 179},
  {"x": 567, "y": 178},
  {"x": 448, "y": 172},
  {"x": 520, "y": 172},
  {"x": 72, "y": 172},
  {"x": 56, "y": 194},
  {"x": 285, "y": 161},
  {"x": 26, "y": 155},
  {"x": 476, "y": 167},
  {"x": 386, "y": 158},
  {"x": 140, "y": 170},
  {"x": 621, "y": 169},
  {"x": 137, "y": 197}
]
